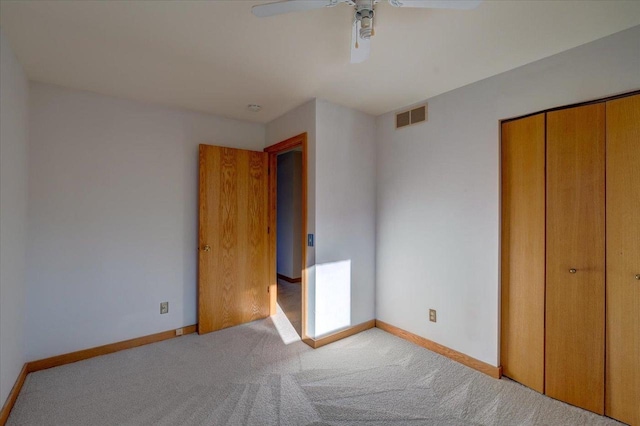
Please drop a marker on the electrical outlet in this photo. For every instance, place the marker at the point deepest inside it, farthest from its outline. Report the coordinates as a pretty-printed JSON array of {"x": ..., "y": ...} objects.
[
  {"x": 164, "y": 308},
  {"x": 432, "y": 315},
  {"x": 179, "y": 332}
]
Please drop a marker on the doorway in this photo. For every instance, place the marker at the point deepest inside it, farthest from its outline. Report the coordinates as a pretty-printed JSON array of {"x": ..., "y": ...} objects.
[
  {"x": 287, "y": 229},
  {"x": 289, "y": 235}
]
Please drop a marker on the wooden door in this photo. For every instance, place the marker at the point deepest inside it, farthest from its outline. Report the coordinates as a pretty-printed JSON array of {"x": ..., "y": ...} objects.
[
  {"x": 522, "y": 251},
  {"x": 575, "y": 290},
  {"x": 623, "y": 260},
  {"x": 233, "y": 240}
]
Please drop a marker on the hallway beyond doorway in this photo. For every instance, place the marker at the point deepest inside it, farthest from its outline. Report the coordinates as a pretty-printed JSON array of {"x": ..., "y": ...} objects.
[{"x": 289, "y": 299}]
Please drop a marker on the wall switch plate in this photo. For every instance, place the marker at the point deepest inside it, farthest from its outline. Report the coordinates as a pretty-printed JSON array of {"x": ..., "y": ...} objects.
[
  {"x": 179, "y": 331},
  {"x": 432, "y": 315},
  {"x": 310, "y": 240},
  {"x": 164, "y": 308}
]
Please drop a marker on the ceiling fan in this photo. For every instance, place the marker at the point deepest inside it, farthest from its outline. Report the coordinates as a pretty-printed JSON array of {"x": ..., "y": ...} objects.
[{"x": 362, "y": 29}]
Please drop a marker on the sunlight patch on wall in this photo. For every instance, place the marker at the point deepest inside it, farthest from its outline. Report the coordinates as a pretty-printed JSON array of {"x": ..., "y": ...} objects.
[{"x": 333, "y": 297}]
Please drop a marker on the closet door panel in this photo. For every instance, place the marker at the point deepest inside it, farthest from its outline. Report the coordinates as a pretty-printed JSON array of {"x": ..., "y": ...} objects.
[
  {"x": 623, "y": 260},
  {"x": 522, "y": 248},
  {"x": 575, "y": 275}
]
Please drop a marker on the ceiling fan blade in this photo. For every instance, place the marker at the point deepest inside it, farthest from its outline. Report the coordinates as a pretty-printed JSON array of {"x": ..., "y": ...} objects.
[
  {"x": 437, "y": 4},
  {"x": 288, "y": 6},
  {"x": 361, "y": 53}
]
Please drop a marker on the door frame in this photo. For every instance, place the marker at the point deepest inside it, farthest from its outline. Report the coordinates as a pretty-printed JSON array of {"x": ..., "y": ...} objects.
[{"x": 273, "y": 151}]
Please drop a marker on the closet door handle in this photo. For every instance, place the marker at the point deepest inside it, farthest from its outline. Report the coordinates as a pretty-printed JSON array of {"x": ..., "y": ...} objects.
[
  {"x": 637, "y": 277},
  {"x": 573, "y": 271}
]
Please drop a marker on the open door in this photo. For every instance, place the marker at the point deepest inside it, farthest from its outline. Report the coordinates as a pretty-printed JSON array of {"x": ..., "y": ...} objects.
[{"x": 233, "y": 250}]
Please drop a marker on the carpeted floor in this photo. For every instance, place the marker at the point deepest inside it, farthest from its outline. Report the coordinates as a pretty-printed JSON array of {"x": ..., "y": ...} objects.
[{"x": 247, "y": 375}]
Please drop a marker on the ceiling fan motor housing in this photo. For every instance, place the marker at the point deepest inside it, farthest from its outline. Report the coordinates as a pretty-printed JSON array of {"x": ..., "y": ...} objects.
[{"x": 364, "y": 15}]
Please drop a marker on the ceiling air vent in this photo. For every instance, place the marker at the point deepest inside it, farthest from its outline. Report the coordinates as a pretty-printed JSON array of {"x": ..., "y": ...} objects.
[
  {"x": 413, "y": 116},
  {"x": 403, "y": 119},
  {"x": 418, "y": 115}
]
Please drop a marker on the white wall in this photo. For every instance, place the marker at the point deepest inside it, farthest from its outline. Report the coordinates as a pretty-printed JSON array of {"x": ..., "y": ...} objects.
[
  {"x": 438, "y": 191},
  {"x": 113, "y": 216},
  {"x": 289, "y": 220},
  {"x": 345, "y": 217},
  {"x": 13, "y": 214}
]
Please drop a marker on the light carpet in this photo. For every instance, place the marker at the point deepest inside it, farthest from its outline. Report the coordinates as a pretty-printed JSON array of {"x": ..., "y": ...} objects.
[{"x": 246, "y": 375}]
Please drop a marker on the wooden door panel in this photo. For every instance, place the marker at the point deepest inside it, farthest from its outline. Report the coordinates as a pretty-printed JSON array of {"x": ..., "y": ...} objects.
[
  {"x": 233, "y": 269},
  {"x": 623, "y": 260},
  {"x": 575, "y": 302},
  {"x": 523, "y": 251}
]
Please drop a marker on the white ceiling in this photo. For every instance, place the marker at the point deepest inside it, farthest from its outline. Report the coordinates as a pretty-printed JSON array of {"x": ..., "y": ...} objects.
[{"x": 215, "y": 56}]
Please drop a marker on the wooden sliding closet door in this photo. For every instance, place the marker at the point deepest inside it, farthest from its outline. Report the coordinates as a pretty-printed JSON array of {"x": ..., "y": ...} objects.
[
  {"x": 623, "y": 260},
  {"x": 522, "y": 262},
  {"x": 575, "y": 292}
]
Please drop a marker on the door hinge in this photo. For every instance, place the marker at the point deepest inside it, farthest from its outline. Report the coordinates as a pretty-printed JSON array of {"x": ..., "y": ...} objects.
[
  {"x": 268, "y": 229},
  {"x": 268, "y": 291}
]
